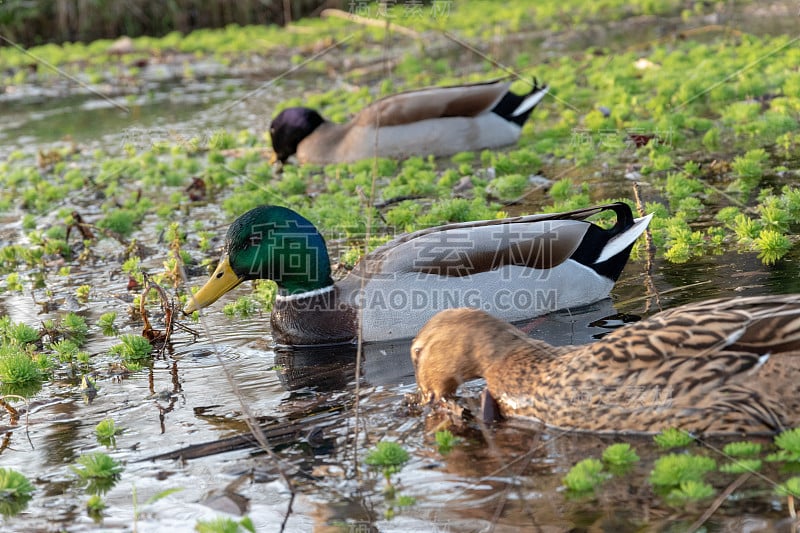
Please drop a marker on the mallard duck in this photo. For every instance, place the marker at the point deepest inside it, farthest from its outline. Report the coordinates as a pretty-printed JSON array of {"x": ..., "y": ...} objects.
[
  {"x": 724, "y": 366},
  {"x": 515, "y": 268},
  {"x": 438, "y": 121}
]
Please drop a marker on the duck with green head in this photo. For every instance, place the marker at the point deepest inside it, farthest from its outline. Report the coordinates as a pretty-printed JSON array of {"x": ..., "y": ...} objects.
[{"x": 515, "y": 268}]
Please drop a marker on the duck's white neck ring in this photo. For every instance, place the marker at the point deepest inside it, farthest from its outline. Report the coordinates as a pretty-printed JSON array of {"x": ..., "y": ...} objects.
[{"x": 303, "y": 295}]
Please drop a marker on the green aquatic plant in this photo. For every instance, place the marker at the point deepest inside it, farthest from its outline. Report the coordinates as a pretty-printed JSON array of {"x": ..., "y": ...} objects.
[
  {"x": 620, "y": 454},
  {"x": 66, "y": 350},
  {"x": 120, "y": 221},
  {"x": 74, "y": 326},
  {"x": 20, "y": 371},
  {"x": 585, "y": 476},
  {"x": 742, "y": 449},
  {"x": 673, "y": 438},
  {"x": 788, "y": 443},
  {"x": 17, "y": 333},
  {"x": 15, "y": 492},
  {"x": 97, "y": 465},
  {"x": 225, "y": 525},
  {"x": 82, "y": 293},
  {"x": 106, "y": 432},
  {"x": 95, "y": 507},
  {"x": 98, "y": 471},
  {"x": 106, "y": 323},
  {"x": 446, "y": 441},
  {"x": 740, "y": 466},
  {"x": 749, "y": 170},
  {"x": 771, "y": 246},
  {"x": 689, "y": 491},
  {"x": 509, "y": 187},
  {"x": 390, "y": 457},
  {"x": 242, "y": 307},
  {"x": 790, "y": 487},
  {"x": 679, "y": 187},
  {"x": 673, "y": 469},
  {"x": 387, "y": 456},
  {"x": 132, "y": 348}
]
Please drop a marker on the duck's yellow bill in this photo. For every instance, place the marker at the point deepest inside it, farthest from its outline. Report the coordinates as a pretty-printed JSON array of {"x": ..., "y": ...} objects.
[
  {"x": 222, "y": 280},
  {"x": 273, "y": 158}
]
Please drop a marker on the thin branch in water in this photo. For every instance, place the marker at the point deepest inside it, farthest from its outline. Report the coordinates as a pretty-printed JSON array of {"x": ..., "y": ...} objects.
[
  {"x": 721, "y": 498},
  {"x": 249, "y": 418},
  {"x": 650, "y": 250}
]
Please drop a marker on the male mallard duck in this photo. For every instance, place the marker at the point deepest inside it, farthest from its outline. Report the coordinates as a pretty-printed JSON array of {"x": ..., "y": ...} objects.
[
  {"x": 439, "y": 121},
  {"x": 515, "y": 268},
  {"x": 723, "y": 366}
]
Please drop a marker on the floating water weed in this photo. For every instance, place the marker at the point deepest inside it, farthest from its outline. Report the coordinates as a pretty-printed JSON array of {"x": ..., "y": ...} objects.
[
  {"x": 790, "y": 487},
  {"x": 689, "y": 491},
  {"x": 20, "y": 373},
  {"x": 99, "y": 471},
  {"x": 15, "y": 492},
  {"x": 17, "y": 333},
  {"x": 620, "y": 454},
  {"x": 106, "y": 323},
  {"x": 742, "y": 449},
  {"x": 740, "y": 466},
  {"x": 106, "y": 432},
  {"x": 97, "y": 465},
  {"x": 789, "y": 443},
  {"x": 771, "y": 246},
  {"x": 585, "y": 476},
  {"x": 75, "y": 327},
  {"x": 95, "y": 507},
  {"x": 387, "y": 456},
  {"x": 673, "y": 438},
  {"x": 225, "y": 525},
  {"x": 673, "y": 469},
  {"x": 749, "y": 168},
  {"x": 132, "y": 348},
  {"x": 446, "y": 441},
  {"x": 66, "y": 350}
]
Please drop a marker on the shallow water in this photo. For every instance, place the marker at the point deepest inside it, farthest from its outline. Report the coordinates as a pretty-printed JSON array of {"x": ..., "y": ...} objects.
[{"x": 510, "y": 480}]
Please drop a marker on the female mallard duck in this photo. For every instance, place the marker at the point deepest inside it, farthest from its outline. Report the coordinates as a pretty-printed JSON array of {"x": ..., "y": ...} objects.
[
  {"x": 515, "y": 268},
  {"x": 717, "y": 367},
  {"x": 438, "y": 121}
]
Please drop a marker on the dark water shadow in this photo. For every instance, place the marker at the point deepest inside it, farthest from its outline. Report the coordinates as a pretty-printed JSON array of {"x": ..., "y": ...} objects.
[{"x": 332, "y": 368}]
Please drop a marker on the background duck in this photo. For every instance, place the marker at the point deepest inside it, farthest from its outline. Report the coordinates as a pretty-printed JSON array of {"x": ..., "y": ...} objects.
[
  {"x": 516, "y": 268},
  {"x": 722, "y": 366},
  {"x": 438, "y": 121}
]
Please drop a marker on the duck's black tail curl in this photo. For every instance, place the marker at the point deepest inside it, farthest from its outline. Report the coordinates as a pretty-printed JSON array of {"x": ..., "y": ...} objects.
[
  {"x": 606, "y": 251},
  {"x": 517, "y": 108}
]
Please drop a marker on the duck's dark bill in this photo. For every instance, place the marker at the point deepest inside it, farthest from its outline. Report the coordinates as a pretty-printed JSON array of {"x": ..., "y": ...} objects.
[{"x": 222, "y": 280}]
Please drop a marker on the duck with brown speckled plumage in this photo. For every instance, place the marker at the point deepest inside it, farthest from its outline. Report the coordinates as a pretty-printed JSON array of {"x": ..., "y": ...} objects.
[{"x": 724, "y": 366}]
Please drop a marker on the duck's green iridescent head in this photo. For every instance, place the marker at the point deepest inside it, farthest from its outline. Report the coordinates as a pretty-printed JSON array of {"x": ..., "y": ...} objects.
[{"x": 269, "y": 242}]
